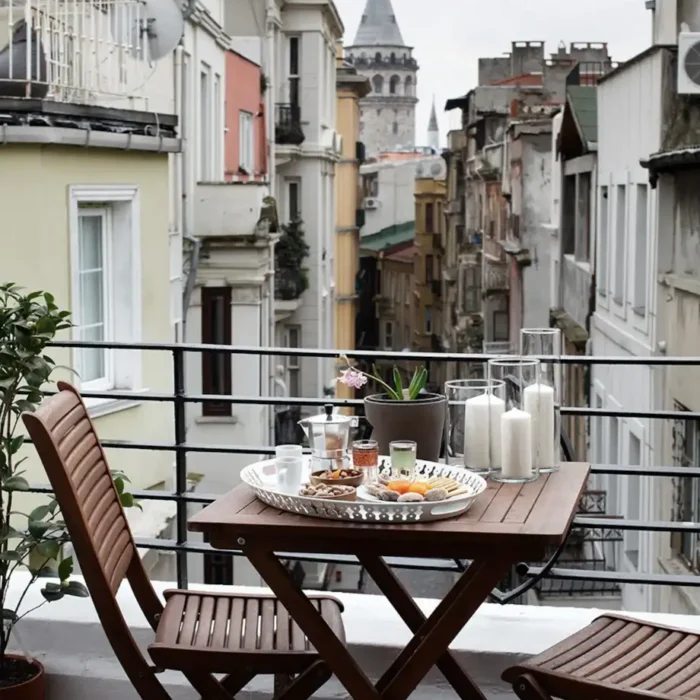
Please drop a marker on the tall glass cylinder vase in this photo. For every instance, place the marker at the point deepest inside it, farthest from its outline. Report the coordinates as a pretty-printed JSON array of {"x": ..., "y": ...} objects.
[
  {"x": 518, "y": 449},
  {"x": 545, "y": 343},
  {"x": 473, "y": 426}
]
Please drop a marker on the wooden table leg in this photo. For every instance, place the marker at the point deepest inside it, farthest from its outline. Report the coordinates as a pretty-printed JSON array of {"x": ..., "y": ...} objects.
[
  {"x": 330, "y": 648},
  {"x": 437, "y": 633},
  {"x": 394, "y": 591}
]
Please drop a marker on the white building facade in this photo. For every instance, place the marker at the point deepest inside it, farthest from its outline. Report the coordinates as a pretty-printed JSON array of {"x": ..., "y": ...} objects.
[{"x": 624, "y": 322}]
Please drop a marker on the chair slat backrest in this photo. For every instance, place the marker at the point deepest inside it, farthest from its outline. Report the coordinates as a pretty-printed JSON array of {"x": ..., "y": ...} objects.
[{"x": 76, "y": 465}]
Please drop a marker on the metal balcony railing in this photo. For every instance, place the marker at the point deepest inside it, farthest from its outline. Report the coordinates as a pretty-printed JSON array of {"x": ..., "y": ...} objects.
[
  {"x": 75, "y": 51},
  {"x": 592, "y": 524},
  {"x": 288, "y": 129}
]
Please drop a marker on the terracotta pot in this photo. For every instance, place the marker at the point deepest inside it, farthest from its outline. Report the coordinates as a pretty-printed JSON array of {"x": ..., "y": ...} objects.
[
  {"x": 33, "y": 689},
  {"x": 421, "y": 420}
]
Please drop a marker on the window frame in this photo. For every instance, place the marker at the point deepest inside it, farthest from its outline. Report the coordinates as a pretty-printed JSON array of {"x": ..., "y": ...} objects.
[
  {"x": 428, "y": 319},
  {"x": 208, "y": 295},
  {"x": 429, "y": 218},
  {"x": 124, "y": 204},
  {"x": 205, "y": 130},
  {"x": 246, "y": 141},
  {"x": 294, "y": 71},
  {"x": 293, "y": 362}
]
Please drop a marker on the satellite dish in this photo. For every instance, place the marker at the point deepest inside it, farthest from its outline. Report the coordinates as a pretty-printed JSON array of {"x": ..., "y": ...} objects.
[{"x": 152, "y": 32}]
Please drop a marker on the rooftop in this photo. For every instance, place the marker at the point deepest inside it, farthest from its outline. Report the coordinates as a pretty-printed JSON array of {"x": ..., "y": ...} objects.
[
  {"x": 378, "y": 25},
  {"x": 389, "y": 237}
]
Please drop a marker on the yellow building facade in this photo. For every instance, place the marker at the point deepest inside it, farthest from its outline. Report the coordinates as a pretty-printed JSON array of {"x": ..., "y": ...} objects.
[{"x": 350, "y": 88}]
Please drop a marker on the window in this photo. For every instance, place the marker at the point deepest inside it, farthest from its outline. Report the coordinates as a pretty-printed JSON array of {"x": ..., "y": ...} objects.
[
  {"x": 293, "y": 200},
  {"x": 640, "y": 251},
  {"x": 94, "y": 283},
  {"x": 378, "y": 85},
  {"x": 394, "y": 85},
  {"x": 631, "y": 537},
  {"x": 106, "y": 285},
  {"x": 472, "y": 291},
  {"x": 429, "y": 218},
  {"x": 395, "y": 128},
  {"x": 216, "y": 366},
  {"x": 293, "y": 340},
  {"x": 428, "y": 319},
  {"x": 686, "y": 491},
  {"x": 603, "y": 252},
  {"x": 583, "y": 217},
  {"x": 620, "y": 226},
  {"x": 246, "y": 141},
  {"x": 428, "y": 268},
  {"x": 205, "y": 125},
  {"x": 294, "y": 75},
  {"x": 218, "y": 130},
  {"x": 370, "y": 184},
  {"x": 408, "y": 86},
  {"x": 388, "y": 335},
  {"x": 500, "y": 326}
]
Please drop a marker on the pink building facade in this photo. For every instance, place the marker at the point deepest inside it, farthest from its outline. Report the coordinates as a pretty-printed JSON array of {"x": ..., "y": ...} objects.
[{"x": 245, "y": 152}]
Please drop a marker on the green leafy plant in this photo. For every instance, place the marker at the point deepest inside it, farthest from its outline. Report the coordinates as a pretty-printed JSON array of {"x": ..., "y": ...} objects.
[
  {"x": 291, "y": 278},
  {"x": 28, "y": 323},
  {"x": 356, "y": 378}
]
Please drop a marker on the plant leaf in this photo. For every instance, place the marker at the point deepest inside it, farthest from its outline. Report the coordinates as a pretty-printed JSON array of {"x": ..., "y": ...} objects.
[
  {"x": 397, "y": 381},
  {"x": 49, "y": 549},
  {"x": 51, "y": 595},
  {"x": 76, "y": 589},
  {"x": 10, "y": 615},
  {"x": 65, "y": 569},
  {"x": 40, "y": 513},
  {"x": 126, "y": 499},
  {"x": 119, "y": 484},
  {"x": 15, "y": 483},
  {"x": 38, "y": 528},
  {"x": 10, "y": 555}
]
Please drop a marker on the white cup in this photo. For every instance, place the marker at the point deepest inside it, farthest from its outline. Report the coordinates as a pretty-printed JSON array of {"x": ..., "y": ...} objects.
[
  {"x": 288, "y": 451},
  {"x": 290, "y": 472}
]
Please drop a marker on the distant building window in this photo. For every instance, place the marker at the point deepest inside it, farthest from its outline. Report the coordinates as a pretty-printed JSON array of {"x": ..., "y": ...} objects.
[
  {"x": 293, "y": 200},
  {"x": 378, "y": 56},
  {"x": 408, "y": 86},
  {"x": 216, "y": 366},
  {"x": 293, "y": 340},
  {"x": 394, "y": 85},
  {"x": 500, "y": 326},
  {"x": 246, "y": 141},
  {"x": 205, "y": 123},
  {"x": 429, "y": 218},
  {"x": 293, "y": 74},
  {"x": 428, "y": 319},
  {"x": 378, "y": 84},
  {"x": 388, "y": 335},
  {"x": 395, "y": 128},
  {"x": 428, "y": 268}
]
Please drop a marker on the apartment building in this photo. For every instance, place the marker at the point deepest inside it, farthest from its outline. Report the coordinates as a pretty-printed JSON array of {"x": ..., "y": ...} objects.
[{"x": 89, "y": 216}]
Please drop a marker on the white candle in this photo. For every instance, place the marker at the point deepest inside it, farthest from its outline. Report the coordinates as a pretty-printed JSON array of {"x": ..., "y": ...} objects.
[
  {"x": 516, "y": 444},
  {"x": 482, "y": 431},
  {"x": 538, "y": 401}
]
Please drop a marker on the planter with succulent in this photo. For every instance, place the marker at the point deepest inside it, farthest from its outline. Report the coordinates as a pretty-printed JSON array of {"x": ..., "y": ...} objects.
[
  {"x": 28, "y": 541},
  {"x": 402, "y": 413}
]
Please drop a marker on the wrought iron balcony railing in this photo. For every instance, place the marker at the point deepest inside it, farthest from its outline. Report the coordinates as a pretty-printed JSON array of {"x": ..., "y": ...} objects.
[
  {"x": 592, "y": 525},
  {"x": 288, "y": 129}
]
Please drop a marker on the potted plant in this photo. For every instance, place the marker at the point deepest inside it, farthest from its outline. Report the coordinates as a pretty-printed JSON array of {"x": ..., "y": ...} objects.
[
  {"x": 33, "y": 541},
  {"x": 402, "y": 413}
]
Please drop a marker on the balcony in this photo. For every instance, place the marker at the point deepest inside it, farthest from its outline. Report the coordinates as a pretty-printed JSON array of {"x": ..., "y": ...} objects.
[
  {"x": 577, "y": 284},
  {"x": 493, "y": 249},
  {"x": 68, "y": 638},
  {"x": 288, "y": 131},
  {"x": 436, "y": 288},
  {"x": 232, "y": 209},
  {"x": 77, "y": 52},
  {"x": 495, "y": 277}
]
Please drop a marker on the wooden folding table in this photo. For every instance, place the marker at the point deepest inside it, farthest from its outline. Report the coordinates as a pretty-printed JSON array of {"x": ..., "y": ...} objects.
[{"x": 507, "y": 524}]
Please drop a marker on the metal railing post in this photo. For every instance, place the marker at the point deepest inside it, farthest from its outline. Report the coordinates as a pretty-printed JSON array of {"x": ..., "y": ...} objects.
[{"x": 180, "y": 464}]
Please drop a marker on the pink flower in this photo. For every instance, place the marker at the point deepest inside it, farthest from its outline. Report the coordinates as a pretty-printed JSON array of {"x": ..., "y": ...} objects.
[{"x": 352, "y": 378}]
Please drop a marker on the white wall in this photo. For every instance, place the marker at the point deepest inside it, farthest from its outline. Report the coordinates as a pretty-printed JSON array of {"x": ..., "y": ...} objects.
[{"x": 629, "y": 128}]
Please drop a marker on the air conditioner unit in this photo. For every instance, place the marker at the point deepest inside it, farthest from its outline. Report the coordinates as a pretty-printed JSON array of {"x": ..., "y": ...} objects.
[
  {"x": 371, "y": 203},
  {"x": 689, "y": 63}
]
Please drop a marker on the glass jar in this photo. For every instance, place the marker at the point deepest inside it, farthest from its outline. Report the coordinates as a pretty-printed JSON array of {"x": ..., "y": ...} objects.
[
  {"x": 474, "y": 409},
  {"x": 545, "y": 343},
  {"x": 518, "y": 458},
  {"x": 365, "y": 456}
]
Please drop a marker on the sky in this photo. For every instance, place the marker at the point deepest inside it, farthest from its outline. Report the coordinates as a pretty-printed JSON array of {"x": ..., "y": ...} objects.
[{"x": 449, "y": 36}]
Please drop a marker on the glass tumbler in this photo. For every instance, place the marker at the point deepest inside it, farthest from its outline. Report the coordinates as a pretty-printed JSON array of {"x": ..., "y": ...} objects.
[
  {"x": 473, "y": 426},
  {"x": 365, "y": 456},
  {"x": 403, "y": 459},
  {"x": 545, "y": 343},
  {"x": 519, "y": 458}
]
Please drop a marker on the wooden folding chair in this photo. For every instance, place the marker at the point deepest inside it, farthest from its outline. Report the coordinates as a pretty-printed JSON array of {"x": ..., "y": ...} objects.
[
  {"x": 199, "y": 634},
  {"x": 613, "y": 658}
]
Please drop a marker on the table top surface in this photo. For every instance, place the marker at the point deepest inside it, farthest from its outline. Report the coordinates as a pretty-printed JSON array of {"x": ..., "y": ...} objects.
[{"x": 514, "y": 515}]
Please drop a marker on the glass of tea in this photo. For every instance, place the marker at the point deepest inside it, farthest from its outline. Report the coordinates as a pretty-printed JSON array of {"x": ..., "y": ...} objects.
[
  {"x": 403, "y": 459},
  {"x": 365, "y": 456}
]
